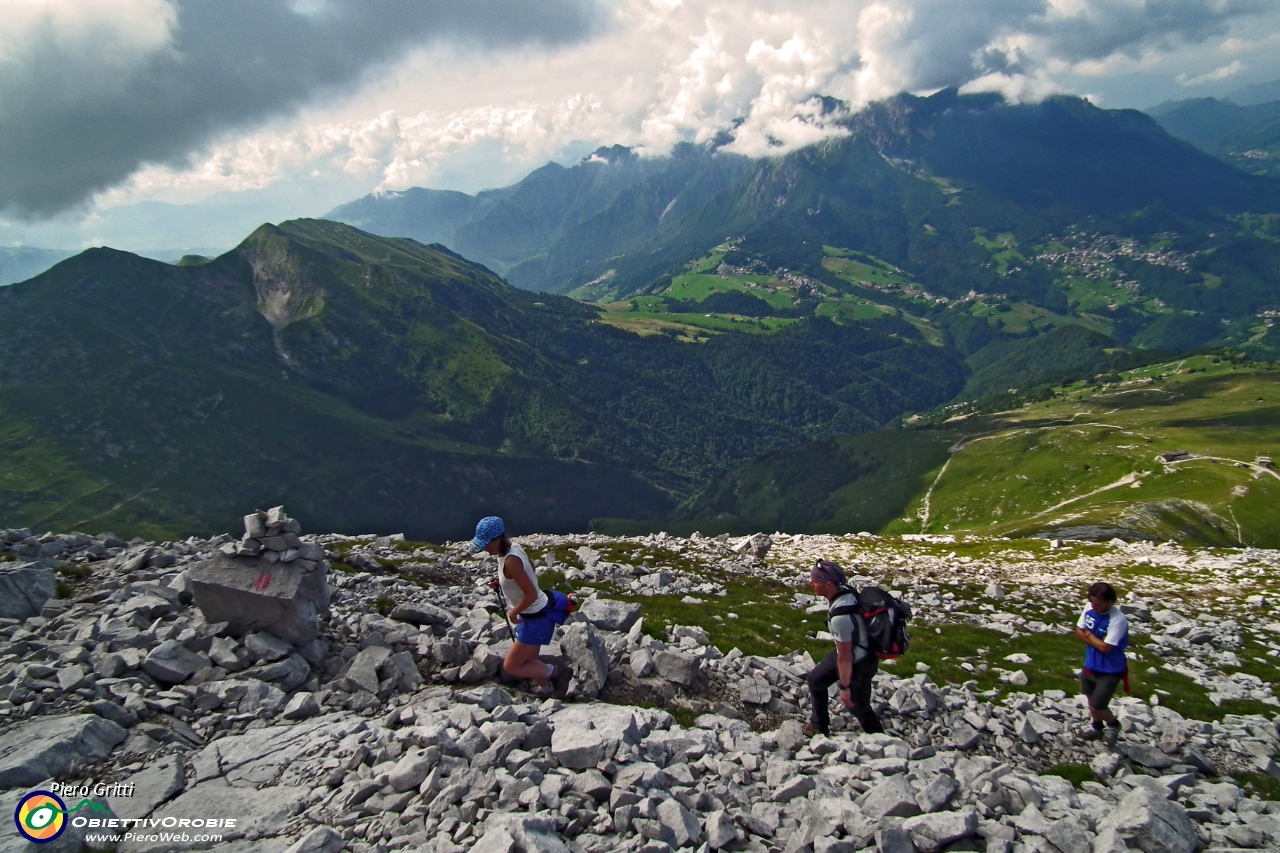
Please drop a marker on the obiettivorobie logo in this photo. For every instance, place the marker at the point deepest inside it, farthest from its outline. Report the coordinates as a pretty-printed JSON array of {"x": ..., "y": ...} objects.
[{"x": 42, "y": 816}]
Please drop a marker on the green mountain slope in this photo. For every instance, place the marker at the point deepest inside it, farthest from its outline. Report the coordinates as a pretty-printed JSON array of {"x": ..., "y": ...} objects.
[
  {"x": 1048, "y": 359},
  {"x": 918, "y": 177},
  {"x": 381, "y": 384},
  {"x": 1083, "y": 464}
]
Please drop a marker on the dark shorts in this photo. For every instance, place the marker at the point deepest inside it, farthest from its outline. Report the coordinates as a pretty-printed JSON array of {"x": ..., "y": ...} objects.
[{"x": 1099, "y": 687}]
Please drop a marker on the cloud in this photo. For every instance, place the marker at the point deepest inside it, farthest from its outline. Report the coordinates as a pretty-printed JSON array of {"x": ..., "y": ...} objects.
[
  {"x": 1214, "y": 76},
  {"x": 90, "y": 90},
  {"x": 383, "y": 100},
  {"x": 1016, "y": 88}
]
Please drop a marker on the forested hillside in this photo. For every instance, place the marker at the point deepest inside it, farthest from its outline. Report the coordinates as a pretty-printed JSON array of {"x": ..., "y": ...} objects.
[{"x": 384, "y": 384}]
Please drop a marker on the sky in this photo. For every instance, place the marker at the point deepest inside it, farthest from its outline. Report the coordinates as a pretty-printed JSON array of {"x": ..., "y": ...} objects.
[{"x": 154, "y": 125}]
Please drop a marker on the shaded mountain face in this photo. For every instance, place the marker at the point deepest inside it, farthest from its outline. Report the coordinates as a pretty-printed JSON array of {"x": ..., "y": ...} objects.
[
  {"x": 382, "y": 384},
  {"x": 616, "y": 238},
  {"x": 1246, "y": 136},
  {"x": 1062, "y": 155}
]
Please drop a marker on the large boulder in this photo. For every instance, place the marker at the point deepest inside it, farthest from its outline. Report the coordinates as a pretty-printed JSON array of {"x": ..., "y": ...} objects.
[
  {"x": 590, "y": 659},
  {"x": 577, "y": 748},
  {"x": 50, "y": 746},
  {"x": 301, "y": 706},
  {"x": 610, "y": 615},
  {"x": 285, "y": 599},
  {"x": 680, "y": 821},
  {"x": 586, "y": 734},
  {"x": 362, "y": 671},
  {"x": 264, "y": 646},
  {"x": 24, "y": 590},
  {"x": 1148, "y": 756},
  {"x": 322, "y": 839},
  {"x": 288, "y": 674},
  {"x": 757, "y": 545},
  {"x": 931, "y": 832},
  {"x": 894, "y": 797},
  {"x": 1147, "y": 821},
  {"x": 617, "y": 723}
]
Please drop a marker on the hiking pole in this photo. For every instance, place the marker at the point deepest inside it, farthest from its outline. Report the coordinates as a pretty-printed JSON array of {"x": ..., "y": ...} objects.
[{"x": 502, "y": 602}]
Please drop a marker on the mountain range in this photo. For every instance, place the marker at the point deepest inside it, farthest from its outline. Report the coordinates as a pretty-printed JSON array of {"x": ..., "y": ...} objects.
[
  {"x": 1097, "y": 217},
  {"x": 615, "y": 338},
  {"x": 380, "y": 383}
]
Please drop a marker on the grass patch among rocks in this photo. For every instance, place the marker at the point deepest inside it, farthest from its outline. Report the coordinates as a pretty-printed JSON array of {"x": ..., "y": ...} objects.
[
  {"x": 1076, "y": 774},
  {"x": 754, "y": 615}
]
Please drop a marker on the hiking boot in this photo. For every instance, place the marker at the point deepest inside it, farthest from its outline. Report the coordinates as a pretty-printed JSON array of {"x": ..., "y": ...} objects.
[
  {"x": 560, "y": 680},
  {"x": 1110, "y": 736},
  {"x": 1091, "y": 733},
  {"x": 810, "y": 730}
]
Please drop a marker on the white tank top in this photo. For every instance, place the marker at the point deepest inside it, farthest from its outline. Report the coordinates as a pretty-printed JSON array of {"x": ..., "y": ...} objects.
[{"x": 512, "y": 590}]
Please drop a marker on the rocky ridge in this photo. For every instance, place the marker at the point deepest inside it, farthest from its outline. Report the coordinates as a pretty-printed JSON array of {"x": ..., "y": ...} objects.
[{"x": 388, "y": 730}]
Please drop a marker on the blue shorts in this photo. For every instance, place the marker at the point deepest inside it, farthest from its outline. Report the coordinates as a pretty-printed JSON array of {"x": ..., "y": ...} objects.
[
  {"x": 539, "y": 630},
  {"x": 536, "y": 632}
]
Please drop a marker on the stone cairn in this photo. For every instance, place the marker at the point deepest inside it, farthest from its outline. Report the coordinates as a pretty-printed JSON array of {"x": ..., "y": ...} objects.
[
  {"x": 268, "y": 580},
  {"x": 273, "y": 536}
]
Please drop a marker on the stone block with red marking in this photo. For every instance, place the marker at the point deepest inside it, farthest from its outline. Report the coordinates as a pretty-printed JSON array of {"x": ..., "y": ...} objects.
[{"x": 283, "y": 599}]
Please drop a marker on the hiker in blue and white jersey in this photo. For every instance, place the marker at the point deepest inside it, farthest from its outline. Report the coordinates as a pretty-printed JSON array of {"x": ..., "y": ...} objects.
[
  {"x": 1105, "y": 631},
  {"x": 534, "y": 613}
]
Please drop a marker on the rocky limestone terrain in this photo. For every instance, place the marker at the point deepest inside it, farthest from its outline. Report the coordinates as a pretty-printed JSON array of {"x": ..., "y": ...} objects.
[{"x": 376, "y": 717}]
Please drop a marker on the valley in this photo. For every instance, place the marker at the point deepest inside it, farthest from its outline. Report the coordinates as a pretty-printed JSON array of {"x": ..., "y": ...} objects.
[{"x": 1164, "y": 452}]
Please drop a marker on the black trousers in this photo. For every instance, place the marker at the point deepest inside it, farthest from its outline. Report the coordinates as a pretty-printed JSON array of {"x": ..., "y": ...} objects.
[{"x": 827, "y": 673}]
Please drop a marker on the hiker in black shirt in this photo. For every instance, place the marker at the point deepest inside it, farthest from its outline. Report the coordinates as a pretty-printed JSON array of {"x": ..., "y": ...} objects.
[{"x": 851, "y": 664}]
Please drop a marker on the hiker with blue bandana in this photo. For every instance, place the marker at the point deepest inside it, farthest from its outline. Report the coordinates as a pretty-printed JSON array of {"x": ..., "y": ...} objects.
[
  {"x": 534, "y": 613},
  {"x": 852, "y": 664}
]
